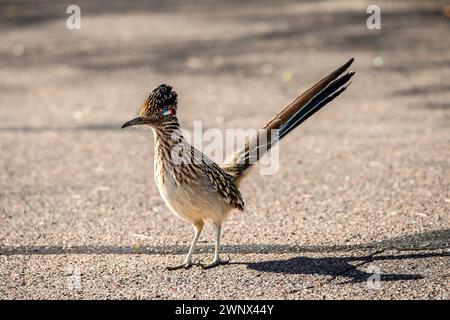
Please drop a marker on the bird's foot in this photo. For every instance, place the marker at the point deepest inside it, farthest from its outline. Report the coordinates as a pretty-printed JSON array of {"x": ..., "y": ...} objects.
[
  {"x": 184, "y": 265},
  {"x": 215, "y": 263},
  {"x": 179, "y": 266}
]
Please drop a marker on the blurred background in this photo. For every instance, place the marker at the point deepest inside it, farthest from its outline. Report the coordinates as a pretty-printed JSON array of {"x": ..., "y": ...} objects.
[{"x": 374, "y": 165}]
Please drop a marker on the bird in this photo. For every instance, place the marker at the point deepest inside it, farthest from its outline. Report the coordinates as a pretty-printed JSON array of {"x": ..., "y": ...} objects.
[{"x": 194, "y": 187}]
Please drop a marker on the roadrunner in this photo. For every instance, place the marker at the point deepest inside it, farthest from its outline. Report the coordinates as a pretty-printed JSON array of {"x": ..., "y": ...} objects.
[{"x": 199, "y": 190}]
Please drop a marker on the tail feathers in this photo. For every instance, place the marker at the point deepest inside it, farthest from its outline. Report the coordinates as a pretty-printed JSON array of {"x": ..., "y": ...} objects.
[
  {"x": 289, "y": 118},
  {"x": 315, "y": 104},
  {"x": 285, "y": 114}
]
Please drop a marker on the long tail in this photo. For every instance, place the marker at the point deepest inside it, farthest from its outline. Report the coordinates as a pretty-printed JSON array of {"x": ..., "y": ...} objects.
[{"x": 304, "y": 106}]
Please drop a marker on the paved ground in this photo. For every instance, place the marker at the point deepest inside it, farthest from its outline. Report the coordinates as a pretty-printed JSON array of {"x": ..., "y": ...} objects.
[{"x": 364, "y": 185}]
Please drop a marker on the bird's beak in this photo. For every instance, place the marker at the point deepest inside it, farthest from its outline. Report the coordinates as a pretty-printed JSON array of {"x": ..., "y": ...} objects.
[{"x": 133, "y": 122}]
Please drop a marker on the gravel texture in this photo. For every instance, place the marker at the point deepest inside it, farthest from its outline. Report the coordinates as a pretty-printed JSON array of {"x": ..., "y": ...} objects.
[{"x": 364, "y": 185}]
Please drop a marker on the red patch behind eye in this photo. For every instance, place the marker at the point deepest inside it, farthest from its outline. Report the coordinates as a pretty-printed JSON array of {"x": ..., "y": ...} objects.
[{"x": 168, "y": 110}]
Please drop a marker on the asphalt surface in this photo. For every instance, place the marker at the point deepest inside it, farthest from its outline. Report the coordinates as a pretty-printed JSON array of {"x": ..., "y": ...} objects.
[{"x": 363, "y": 188}]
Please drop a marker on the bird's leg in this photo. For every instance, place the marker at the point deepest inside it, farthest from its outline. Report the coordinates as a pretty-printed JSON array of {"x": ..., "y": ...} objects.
[
  {"x": 198, "y": 227},
  {"x": 217, "y": 261}
]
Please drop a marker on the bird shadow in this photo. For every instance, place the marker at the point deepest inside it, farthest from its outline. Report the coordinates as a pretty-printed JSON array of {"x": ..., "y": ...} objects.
[
  {"x": 348, "y": 267},
  {"x": 328, "y": 264}
]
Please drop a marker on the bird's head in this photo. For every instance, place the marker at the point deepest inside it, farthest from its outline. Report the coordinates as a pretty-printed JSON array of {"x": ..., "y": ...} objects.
[{"x": 160, "y": 107}]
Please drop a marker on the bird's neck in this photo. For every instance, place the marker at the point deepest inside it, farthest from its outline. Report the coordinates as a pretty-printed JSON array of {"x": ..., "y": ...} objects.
[{"x": 167, "y": 136}]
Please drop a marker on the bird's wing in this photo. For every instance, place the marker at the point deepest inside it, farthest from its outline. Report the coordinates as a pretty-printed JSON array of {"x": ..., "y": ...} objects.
[
  {"x": 220, "y": 181},
  {"x": 224, "y": 185}
]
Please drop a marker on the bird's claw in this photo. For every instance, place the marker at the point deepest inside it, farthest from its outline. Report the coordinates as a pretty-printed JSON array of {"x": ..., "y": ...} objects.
[
  {"x": 184, "y": 265},
  {"x": 197, "y": 262},
  {"x": 215, "y": 263}
]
